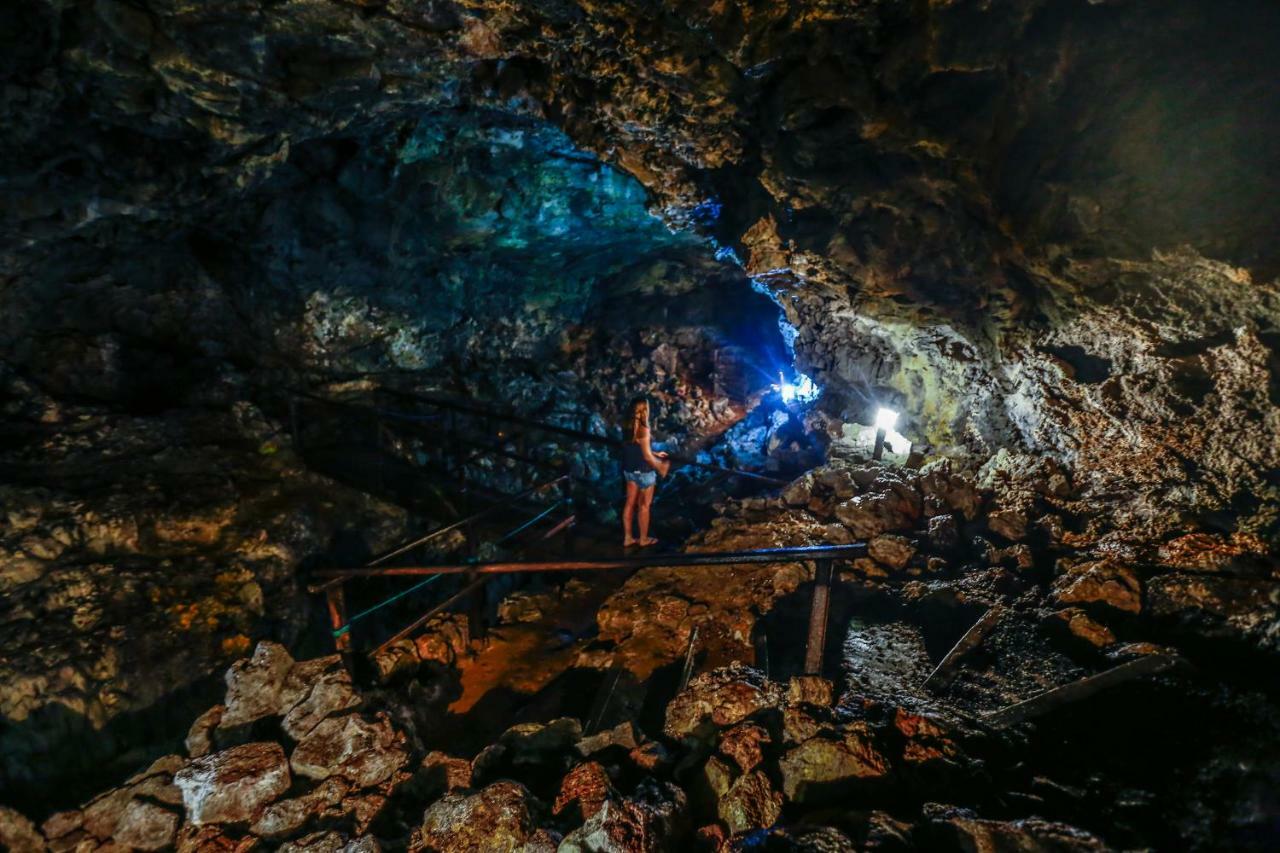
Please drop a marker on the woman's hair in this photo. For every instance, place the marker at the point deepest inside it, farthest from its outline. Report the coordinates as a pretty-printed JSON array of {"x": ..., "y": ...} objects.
[{"x": 638, "y": 419}]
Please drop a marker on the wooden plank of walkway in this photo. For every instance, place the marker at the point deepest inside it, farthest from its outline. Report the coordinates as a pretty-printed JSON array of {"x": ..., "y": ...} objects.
[
  {"x": 711, "y": 558},
  {"x": 1050, "y": 700},
  {"x": 946, "y": 670}
]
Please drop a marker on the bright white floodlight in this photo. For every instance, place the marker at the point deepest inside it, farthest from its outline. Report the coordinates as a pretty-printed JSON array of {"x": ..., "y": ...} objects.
[{"x": 885, "y": 419}]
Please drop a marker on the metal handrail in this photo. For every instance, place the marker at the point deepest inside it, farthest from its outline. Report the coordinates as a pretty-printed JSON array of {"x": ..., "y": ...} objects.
[
  {"x": 463, "y": 522},
  {"x": 460, "y": 523},
  {"x": 495, "y": 414}
]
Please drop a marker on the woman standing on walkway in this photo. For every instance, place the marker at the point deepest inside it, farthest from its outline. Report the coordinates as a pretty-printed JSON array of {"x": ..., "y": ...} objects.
[{"x": 641, "y": 468}]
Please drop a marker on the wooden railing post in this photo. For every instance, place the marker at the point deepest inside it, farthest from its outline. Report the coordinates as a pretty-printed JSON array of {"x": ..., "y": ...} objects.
[
  {"x": 475, "y": 602},
  {"x": 336, "y": 598},
  {"x": 818, "y": 617},
  {"x": 294, "y": 425}
]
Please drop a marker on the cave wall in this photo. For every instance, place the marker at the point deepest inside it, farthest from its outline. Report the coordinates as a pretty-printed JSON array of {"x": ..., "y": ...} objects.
[{"x": 1034, "y": 225}]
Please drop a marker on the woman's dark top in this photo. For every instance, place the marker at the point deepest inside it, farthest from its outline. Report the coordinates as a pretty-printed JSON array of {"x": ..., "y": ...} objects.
[{"x": 633, "y": 457}]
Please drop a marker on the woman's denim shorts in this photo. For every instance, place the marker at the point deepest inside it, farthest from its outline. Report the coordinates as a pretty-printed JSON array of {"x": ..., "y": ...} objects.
[{"x": 643, "y": 479}]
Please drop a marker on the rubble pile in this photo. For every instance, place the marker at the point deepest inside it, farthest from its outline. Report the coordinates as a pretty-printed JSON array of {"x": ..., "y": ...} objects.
[
  {"x": 1018, "y": 532},
  {"x": 291, "y": 761},
  {"x": 879, "y": 756},
  {"x": 138, "y": 556}
]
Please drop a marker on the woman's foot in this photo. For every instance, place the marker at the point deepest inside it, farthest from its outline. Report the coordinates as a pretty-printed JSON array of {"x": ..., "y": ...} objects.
[
  {"x": 645, "y": 543},
  {"x": 628, "y": 543}
]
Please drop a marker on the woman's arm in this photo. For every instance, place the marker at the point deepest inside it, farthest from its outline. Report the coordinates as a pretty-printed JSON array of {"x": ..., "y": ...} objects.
[{"x": 659, "y": 464}]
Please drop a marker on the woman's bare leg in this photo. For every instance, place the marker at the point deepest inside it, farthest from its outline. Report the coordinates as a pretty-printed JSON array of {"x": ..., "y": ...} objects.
[
  {"x": 628, "y": 511},
  {"x": 645, "y": 498}
]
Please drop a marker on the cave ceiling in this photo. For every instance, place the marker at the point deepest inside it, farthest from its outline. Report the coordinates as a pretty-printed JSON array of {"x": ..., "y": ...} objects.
[{"x": 933, "y": 192}]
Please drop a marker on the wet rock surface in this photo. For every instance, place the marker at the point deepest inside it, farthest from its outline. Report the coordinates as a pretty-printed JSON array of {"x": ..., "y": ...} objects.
[
  {"x": 1039, "y": 229},
  {"x": 141, "y": 555}
]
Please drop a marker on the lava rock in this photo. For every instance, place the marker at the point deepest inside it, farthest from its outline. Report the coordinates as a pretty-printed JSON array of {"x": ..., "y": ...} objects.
[
  {"x": 651, "y": 821},
  {"x": 1079, "y": 624},
  {"x": 944, "y": 533},
  {"x": 587, "y": 786},
  {"x": 18, "y": 834},
  {"x": 499, "y": 818},
  {"x": 146, "y": 826},
  {"x": 1100, "y": 582},
  {"x": 720, "y": 698},
  {"x": 810, "y": 690},
  {"x": 821, "y": 768},
  {"x": 364, "y": 753},
  {"x": 235, "y": 785},
  {"x": 199, "y": 740},
  {"x": 328, "y": 692},
  {"x": 745, "y": 744},
  {"x": 253, "y": 689},
  {"x": 750, "y": 803},
  {"x": 1031, "y": 834},
  {"x": 892, "y": 551}
]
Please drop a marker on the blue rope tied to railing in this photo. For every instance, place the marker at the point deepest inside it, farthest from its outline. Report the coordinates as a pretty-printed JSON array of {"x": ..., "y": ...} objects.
[
  {"x": 338, "y": 632},
  {"x": 522, "y": 528}
]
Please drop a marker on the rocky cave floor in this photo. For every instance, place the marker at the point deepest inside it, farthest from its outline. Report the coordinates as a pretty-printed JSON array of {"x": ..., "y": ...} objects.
[
  {"x": 1042, "y": 230},
  {"x": 607, "y": 753}
]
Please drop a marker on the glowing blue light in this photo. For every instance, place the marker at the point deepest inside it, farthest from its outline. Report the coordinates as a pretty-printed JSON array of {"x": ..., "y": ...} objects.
[
  {"x": 802, "y": 389},
  {"x": 707, "y": 212},
  {"x": 726, "y": 253}
]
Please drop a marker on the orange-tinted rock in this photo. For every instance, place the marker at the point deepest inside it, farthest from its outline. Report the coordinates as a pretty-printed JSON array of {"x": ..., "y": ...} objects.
[
  {"x": 926, "y": 739},
  {"x": 810, "y": 690},
  {"x": 1100, "y": 582},
  {"x": 720, "y": 697},
  {"x": 235, "y": 785},
  {"x": 254, "y": 687},
  {"x": 892, "y": 551},
  {"x": 584, "y": 790},
  {"x": 499, "y": 818},
  {"x": 146, "y": 826},
  {"x": 445, "y": 773},
  {"x": 1081, "y": 625},
  {"x": 653, "y": 820},
  {"x": 821, "y": 767},
  {"x": 750, "y": 803},
  {"x": 18, "y": 834},
  {"x": 745, "y": 744},
  {"x": 365, "y": 753},
  {"x": 1212, "y": 551},
  {"x": 651, "y": 757}
]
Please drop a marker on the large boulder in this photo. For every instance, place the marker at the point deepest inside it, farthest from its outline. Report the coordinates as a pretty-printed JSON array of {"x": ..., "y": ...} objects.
[
  {"x": 365, "y": 753},
  {"x": 18, "y": 834},
  {"x": 235, "y": 785},
  {"x": 323, "y": 688},
  {"x": 1102, "y": 583},
  {"x": 146, "y": 826},
  {"x": 891, "y": 551},
  {"x": 721, "y": 697},
  {"x": 868, "y": 515},
  {"x": 254, "y": 687},
  {"x": 750, "y": 803},
  {"x": 497, "y": 819},
  {"x": 653, "y": 820},
  {"x": 824, "y": 768}
]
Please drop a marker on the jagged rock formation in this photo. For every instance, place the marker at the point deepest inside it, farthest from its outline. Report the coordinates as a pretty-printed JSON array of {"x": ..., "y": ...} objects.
[
  {"x": 1040, "y": 228},
  {"x": 137, "y": 555},
  {"x": 956, "y": 205}
]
